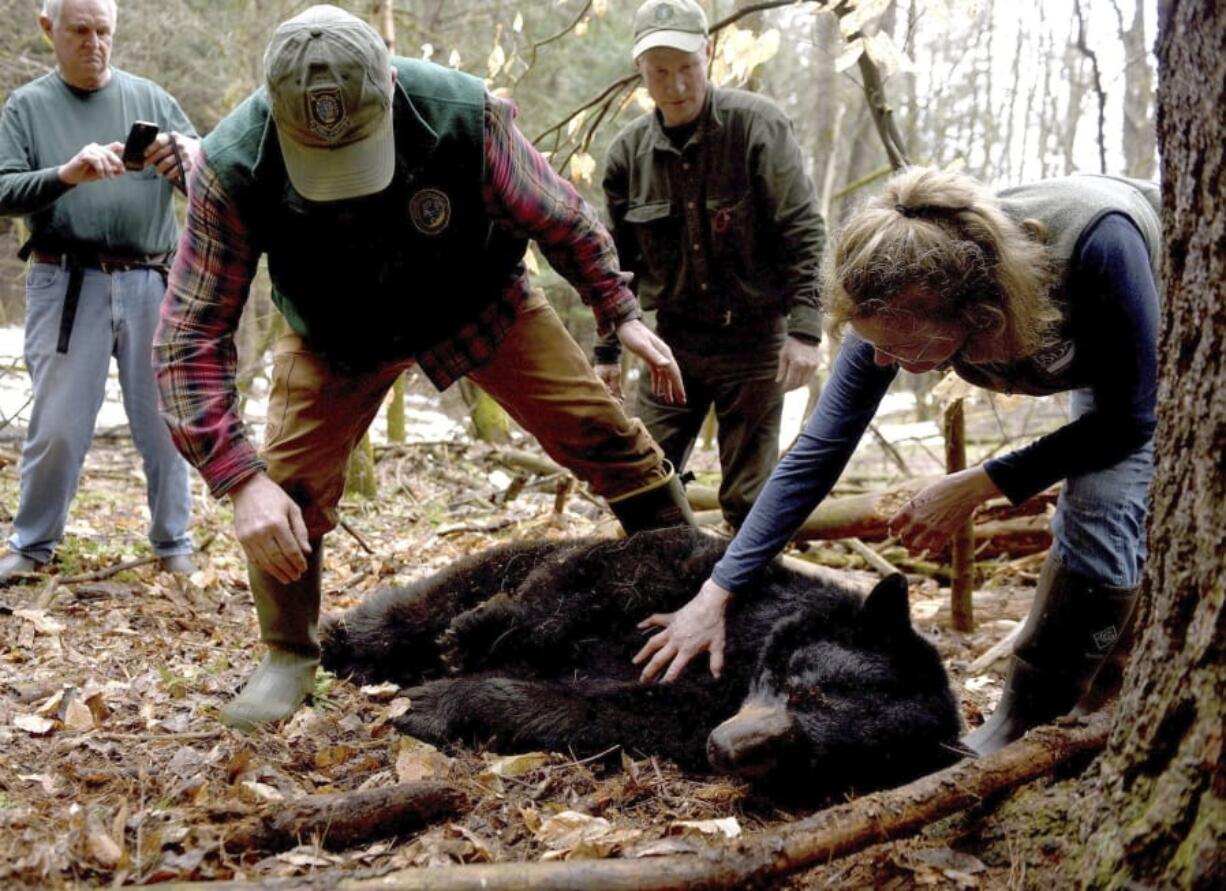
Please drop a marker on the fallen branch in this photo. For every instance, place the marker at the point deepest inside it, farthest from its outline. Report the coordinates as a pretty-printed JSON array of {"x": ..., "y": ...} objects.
[
  {"x": 754, "y": 860},
  {"x": 342, "y": 820},
  {"x": 1002, "y": 647},
  {"x": 522, "y": 460},
  {"x": 757, "y": 859}
]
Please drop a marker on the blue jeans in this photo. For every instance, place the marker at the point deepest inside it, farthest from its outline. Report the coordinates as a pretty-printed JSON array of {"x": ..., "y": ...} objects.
[
  {"x": 1099, "y": 528},
  {"x": 116, "y": 317}
]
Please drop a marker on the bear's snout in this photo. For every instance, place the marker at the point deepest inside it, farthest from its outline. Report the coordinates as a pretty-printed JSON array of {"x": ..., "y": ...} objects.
[{"x": 750, "y": 743}]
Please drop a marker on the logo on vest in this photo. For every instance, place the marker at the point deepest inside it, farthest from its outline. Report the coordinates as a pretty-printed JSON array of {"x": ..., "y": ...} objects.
[
  {"x": 722, "y": 220},
  {"x": 430, "y": 210},
  {"x": 325, "y": 111},
  {"x": 1057, "y": 357}
]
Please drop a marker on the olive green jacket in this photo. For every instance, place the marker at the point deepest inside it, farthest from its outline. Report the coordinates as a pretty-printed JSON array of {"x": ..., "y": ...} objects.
[{"x": 723, "y": 233}]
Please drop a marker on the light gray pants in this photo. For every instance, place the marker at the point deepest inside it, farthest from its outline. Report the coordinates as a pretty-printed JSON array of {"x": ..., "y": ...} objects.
[{"x": 116, "y": 316}]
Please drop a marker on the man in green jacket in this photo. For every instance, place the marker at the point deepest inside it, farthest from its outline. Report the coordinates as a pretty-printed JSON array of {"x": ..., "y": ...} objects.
[{"x": 713, "y": 213}]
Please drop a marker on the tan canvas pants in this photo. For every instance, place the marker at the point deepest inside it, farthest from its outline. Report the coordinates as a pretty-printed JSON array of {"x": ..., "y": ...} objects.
[{"x": 317, "y": 414}]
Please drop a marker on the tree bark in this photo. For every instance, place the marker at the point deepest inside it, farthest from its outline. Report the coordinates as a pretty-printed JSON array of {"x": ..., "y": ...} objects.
[{"x": 1156, "y": 811}]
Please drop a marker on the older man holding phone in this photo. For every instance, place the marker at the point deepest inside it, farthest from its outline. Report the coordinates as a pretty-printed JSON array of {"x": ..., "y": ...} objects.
[{"x": 102, "y": 229}]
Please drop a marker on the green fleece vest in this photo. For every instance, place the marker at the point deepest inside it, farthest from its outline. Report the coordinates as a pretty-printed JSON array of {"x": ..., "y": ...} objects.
[
  {"x": 388, "y": 275},
  {"x": 1068, "y": 207}
]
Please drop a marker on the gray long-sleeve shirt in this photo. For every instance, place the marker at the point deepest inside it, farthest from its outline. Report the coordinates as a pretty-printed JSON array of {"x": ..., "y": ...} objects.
[{"x": 44, "y": 124}]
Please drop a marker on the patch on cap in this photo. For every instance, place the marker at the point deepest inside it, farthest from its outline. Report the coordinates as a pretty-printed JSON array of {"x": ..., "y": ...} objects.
[
  {"x": 430, "y": 211},
  {"x": 664, "y": 14},
  {"x": 326, "y": 111}
]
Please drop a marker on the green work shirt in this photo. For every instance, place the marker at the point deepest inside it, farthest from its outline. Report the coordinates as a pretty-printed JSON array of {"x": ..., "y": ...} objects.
[
  {"x": 722, "y": 232},
  {"x": 45, "y": 123}
]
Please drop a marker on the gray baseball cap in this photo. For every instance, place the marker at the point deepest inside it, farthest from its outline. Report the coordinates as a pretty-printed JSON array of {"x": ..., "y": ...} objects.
[
  {"x": 330, "y": 88},
  {"x": 679, "y": 24}
]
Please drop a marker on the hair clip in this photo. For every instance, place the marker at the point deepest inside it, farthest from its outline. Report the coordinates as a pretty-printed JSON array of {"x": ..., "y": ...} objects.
[{"x": 928, "y": 211}]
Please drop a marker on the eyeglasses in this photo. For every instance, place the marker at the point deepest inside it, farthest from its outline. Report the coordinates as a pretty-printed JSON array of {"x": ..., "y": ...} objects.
[{"x": 912, "y": 352}]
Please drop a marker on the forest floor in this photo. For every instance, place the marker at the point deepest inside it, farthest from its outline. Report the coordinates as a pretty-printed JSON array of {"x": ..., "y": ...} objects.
[{"x": 115, "y": 770}]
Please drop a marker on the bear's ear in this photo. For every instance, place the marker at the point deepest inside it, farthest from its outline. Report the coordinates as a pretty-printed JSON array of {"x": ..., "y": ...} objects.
[{"x": 886, "y": 609}]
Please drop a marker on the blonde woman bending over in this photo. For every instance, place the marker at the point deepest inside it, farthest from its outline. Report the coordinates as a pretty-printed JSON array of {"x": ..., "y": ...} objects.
[{"x": 1038, "y": 289}]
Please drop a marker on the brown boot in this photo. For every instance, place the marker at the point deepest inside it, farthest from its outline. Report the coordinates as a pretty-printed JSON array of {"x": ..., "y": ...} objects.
[{"x": 658, "y": 506}]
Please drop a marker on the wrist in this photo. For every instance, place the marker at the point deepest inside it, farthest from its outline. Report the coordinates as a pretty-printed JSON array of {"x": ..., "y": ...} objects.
[
  {"x": 984, "y": 487},
  {"x": 714, "y": 594}
]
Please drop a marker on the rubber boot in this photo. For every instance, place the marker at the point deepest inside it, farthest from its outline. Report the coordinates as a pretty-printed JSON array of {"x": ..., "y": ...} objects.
[
  {"x": 1105, "y": 685},
  {"x": 288, "y": 614},
  {"x": 658, "y": 506},
  {"x": 1073, "y": 627}
]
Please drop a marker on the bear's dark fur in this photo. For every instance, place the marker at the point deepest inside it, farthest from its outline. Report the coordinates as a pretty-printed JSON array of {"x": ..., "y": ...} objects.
[{"x": 529, "y": 646}]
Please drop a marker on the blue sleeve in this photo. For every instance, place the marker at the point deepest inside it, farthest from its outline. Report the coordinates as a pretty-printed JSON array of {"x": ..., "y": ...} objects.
[
  {"x": 809, "y": 470},
  {"x": 1115, "y": 329}
]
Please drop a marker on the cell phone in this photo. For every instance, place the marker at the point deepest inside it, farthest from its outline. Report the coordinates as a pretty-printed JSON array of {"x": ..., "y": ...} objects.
[{"x": 140, "y": 137}]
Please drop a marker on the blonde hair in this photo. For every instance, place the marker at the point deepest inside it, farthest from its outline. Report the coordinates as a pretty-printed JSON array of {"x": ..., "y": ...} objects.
[{"x": 946, "y": 234}]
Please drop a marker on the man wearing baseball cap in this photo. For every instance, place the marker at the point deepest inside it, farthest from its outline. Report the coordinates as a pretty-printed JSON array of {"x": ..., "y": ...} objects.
[
  {"x": 393, "y": 200},
  {"x": 714, "y": 215}
]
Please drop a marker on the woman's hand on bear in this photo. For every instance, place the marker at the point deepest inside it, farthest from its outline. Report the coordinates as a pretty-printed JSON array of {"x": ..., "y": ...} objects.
[{"x": 696, "y": 628}]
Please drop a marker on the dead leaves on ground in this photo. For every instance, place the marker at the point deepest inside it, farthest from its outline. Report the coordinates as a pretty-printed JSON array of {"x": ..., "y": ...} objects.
[{"x": 113, "y": 768}]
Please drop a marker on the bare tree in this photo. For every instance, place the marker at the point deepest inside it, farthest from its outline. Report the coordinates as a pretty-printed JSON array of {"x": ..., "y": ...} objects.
[{"x": 1138, "y": 135}]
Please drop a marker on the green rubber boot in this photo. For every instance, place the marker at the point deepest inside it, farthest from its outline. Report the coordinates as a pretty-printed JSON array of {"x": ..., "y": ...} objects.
[
  {"x": 658, "y": 506},
  {"x": 288, "y": 615}
]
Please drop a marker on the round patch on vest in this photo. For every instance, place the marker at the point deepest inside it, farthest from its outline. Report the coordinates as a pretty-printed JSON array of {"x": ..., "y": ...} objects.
[
  {"x": 430, "y": 210},
  {"x": 722, "y": 220},
  {"x": 325, "y": 111}
]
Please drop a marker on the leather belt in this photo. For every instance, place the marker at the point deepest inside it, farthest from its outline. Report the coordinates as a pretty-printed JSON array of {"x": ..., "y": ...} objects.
[
  {"x": 107, "y": 263},
  {"x": 77, "y": 263}
]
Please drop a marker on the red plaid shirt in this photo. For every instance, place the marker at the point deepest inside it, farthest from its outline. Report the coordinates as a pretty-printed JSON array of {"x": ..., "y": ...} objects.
[{"x": 194, "y": 348}]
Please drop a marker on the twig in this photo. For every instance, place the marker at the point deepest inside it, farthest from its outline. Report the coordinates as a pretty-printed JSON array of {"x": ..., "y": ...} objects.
[
  {"x": 889, "y": 449},
  {"x": 875, "y": 560},
  {"x": 361, "y": 543},
  {"x": 156, "y": 737}
]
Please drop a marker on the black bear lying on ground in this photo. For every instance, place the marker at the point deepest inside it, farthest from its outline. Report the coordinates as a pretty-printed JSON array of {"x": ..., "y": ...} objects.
[{"x": 822, "y": 690}]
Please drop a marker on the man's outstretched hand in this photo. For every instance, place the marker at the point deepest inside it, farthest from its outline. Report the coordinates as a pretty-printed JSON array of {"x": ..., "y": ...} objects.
[{"x": 665, "y": 373}]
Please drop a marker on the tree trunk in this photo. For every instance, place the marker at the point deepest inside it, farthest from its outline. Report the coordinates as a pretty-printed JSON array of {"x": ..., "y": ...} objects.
[
  {"x": 1156, "y": 807},
  {"x": 1138, "y": 136},
  {"x": 962, "y": 544},
  {"x": 360, "y": 476},
  {"x": 490, "y": 422}
]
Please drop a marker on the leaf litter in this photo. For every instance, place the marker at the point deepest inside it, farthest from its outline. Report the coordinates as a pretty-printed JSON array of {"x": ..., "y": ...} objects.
[{"x": 114, "y": 768}]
